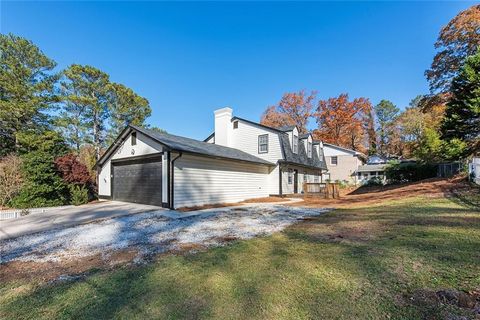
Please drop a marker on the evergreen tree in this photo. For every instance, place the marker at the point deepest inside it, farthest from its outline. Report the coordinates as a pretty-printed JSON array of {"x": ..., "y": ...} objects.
[
  {"x": 386, "y": 113},
  {"x": 26, "y": 91},
  {"x": 462, "y": 115}
]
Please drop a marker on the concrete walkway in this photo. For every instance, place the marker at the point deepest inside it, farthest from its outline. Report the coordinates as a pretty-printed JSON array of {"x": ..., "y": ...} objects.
[{"x": 69, "y": 216}]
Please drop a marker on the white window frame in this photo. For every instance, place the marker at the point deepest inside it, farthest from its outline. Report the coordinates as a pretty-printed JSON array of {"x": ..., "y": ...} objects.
[
  {"x": 264, "y": 143},
  {"x": 295, "y": 144},
  {"x": 290, "y": 176},
  {"x": 309, "y": 149},
  {"x": 305, "y": 177},
  {"x": 316, "y": 178},
  {"x": 331, "y": 160}
]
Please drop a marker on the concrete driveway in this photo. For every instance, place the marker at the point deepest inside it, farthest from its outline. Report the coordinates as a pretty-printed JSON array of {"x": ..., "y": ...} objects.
[{"x": 67, "y": 217}]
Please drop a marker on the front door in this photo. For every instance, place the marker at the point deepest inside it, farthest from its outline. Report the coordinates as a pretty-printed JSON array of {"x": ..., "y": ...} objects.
[{"x": 295, "y": 181}]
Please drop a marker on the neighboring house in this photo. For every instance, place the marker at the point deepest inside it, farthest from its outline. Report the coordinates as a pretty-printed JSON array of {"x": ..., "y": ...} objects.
[
  {"x": 342, "y": 163},
  {"x": 240, "y": 160},
  {"x": 370, "y": 171}
]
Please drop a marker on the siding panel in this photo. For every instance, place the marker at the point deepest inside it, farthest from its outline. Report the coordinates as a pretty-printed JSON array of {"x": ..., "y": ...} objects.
[{"x": 201, "y": 180}]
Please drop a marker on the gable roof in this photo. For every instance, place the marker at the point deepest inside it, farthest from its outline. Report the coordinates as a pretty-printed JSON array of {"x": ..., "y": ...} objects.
[
  {"x": 356, "y": 153},
  {"x": 304, "y": 136},
  {"x": 301, "y": 158},
  {"x": 192, "y": 146},
  {"x": 257, "y": 124}
]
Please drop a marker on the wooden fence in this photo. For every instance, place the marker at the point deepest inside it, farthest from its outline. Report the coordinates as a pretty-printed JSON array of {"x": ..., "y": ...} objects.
[{"x": 326, "y": 190}]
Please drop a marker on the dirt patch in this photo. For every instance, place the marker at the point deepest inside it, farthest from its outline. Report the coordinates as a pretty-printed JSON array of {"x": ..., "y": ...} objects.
[
  {"x": 47, "y": 271},
  {"x": 208, "y": 206},
  {"x": 434, "y": 188},
  {"x": 265, "y": 200},
  {"x": 224, "y": 205},
  {"x": 466, "y": 301}
]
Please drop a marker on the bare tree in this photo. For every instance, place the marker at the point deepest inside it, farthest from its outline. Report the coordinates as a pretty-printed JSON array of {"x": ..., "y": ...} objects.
[{"x": 10, "y": 178}]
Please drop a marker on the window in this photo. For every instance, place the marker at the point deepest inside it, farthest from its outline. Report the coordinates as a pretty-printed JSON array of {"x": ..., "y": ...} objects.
[
  {"x": 295, "y": 144},
  {"x": 235, "y": 125},
  {"x": 305, "y": 177},
  {"x": 263, "y": 143},
  {"x": 316, "y": 178},
  {"x": 290, "y": 176},
  {"x": 134, "y": 138},
  {"x": 309, "y": 149},
  {"x": 334, "y": 161}
]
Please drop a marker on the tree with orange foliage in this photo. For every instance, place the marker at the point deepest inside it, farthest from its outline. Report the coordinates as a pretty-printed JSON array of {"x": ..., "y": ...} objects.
[
  {"x": 459, "y": 39},
  {"x": 343, "y": 122},
  {"x": 295, "y": 108}
]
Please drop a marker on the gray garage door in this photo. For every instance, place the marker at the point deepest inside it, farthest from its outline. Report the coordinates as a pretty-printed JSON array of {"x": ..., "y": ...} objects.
[{"x": 139, "y": 182}]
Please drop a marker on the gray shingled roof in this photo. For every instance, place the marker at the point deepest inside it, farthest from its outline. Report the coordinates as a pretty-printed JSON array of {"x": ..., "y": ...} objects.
[
  {"x": 287, "y": 128},
  {"x": 301, "y": 157},
  {"x": 304, "y": 136},
  {"x": 371, "y": 167},
  {"x": 179, "y": 143}
]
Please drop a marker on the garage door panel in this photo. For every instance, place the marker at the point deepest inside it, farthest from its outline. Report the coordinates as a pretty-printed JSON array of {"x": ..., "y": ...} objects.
[{"x": 138, "y": 182}]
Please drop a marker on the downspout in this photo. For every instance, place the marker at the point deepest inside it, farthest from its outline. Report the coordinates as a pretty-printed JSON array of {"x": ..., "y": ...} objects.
[
  {"x": 172, "y": 181},
  {"x": 280, "y": 180}
]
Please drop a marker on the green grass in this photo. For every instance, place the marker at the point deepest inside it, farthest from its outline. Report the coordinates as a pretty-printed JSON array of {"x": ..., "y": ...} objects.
[{"x": 361, "y": 263}]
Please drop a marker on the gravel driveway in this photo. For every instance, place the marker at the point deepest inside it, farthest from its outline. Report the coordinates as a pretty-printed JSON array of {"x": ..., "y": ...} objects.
[{"x": 152, "y": 232}]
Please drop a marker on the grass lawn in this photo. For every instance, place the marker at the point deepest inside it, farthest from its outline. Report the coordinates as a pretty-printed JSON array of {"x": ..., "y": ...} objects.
[{"x": 375, "y": 261}]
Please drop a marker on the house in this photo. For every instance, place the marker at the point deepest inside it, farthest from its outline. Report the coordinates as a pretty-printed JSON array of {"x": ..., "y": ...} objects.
[
  {"x": 342, "y": 163},
  {"x": 370, "y": 171},
  {"x": 240, "y": 160}
]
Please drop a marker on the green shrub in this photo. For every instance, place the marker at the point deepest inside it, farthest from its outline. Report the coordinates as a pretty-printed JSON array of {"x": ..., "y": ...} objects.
[
  {"x": 375, "y": 181},
  {"x": 409, "y": 172},
  {"x": 78, "y": 194},
  {"x": 43, "y": 186}
]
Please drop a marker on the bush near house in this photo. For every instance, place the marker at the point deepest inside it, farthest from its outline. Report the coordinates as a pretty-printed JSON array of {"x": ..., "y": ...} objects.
[
  {"x": 11, "y": 179},
  {"x": 409, "y": 172},
  {"x": 76, "y": 174},
  {"x": 43, "y": 186}
]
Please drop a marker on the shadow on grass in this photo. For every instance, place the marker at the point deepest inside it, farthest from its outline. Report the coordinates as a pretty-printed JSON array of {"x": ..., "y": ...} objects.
[{"x": 349, "y": 263}]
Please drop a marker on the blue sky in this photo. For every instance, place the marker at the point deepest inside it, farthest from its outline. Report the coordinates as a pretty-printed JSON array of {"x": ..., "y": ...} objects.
[{"x": 189, "y": 59}]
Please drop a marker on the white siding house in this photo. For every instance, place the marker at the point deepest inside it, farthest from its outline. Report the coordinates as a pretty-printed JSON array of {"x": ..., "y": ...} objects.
[{"x": 240, "y": 160}]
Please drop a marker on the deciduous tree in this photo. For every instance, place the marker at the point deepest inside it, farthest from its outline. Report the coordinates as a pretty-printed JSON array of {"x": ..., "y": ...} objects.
[
  {"x": 343, "y": 122},
  {"x": 459, "y": 39},
  {"x": 11, "y": 179},
  {"x": 295, "y": 108}
]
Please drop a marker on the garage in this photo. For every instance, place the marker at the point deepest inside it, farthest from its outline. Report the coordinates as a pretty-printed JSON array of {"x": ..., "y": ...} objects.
[{"x": 138, "y": 181}]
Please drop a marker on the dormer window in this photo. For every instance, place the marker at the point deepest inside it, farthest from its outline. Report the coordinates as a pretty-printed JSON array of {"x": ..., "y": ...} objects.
[
  {"x": 309, "y": 149},
  {"x": 235, "y": 124},
  {"x": 295, "y": 144}
]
